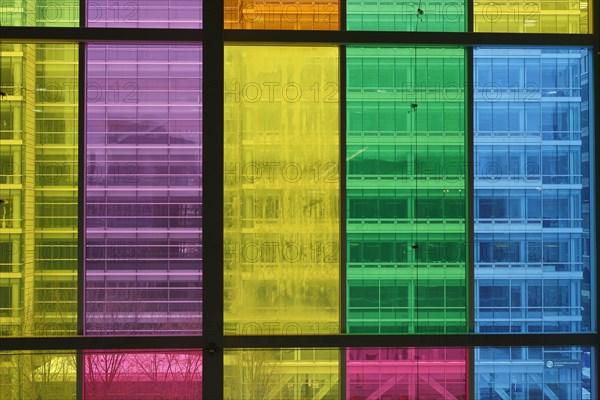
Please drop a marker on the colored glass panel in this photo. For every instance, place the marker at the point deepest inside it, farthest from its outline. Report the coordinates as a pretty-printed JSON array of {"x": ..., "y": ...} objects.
[
  {"x": 404, "y": 15},
  {"x": 536, "y": 16},
  {"x": 565, "y": 373},
  {"x": 282, "y": 14},
  {"x": 152, "y": 374},
  {"x": 144, "y": 13},
  {"x": 29, "y": 374},
  {"x": 281, "y": 190},
  {"x": 38, "y": 189},
  {"x": 50, "y": 13},
  {"x": 143, "y": 267},
  {"x": 533, "y": 235},
  {"x": 406, "y": 190},
  {"x": 406, "y": 373},
  {"x": 270, "y": 374}
]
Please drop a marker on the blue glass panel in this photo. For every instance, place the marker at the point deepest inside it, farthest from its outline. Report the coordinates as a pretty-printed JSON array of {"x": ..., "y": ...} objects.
[{"x": 532, "y": 196}]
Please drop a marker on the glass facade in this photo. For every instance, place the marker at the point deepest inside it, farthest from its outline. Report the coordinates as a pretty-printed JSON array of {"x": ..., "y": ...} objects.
[
  {"x": 562, "y": 373},
  {"x": 282, "y": 374},
  {"x": 406, "y": 373},
  {"x": 48, "y": 13},
  {"x": 143, "y": 265},
  {"x": 532, "y": 217},
  {"x": 406, "y": 15},
  {"x": 38, "y": 375},
  {"x": 239, "y": 190},
  {"x": 144, "y": 13},
  {"x": 536, "y": 16},
  {"x": 406, "y": 191},
  {"x": 281, "y": 190},
  {"x": 532, "y": 197},
  {"x": 152, "y": 374},
  {"x": 282, "y": 14},
  {"x": 38, "y": 189}
]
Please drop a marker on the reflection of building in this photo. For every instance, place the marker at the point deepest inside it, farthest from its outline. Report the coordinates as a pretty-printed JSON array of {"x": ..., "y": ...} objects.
[
  {"x": 281, "y": 374},
  {"x": 143, "y": 195},
  {"x": 532, "y": 16},
  {"x": 38, "y": 189},
  {"x": 532, "y": 202},
  {"x": 406, "y": 374},
  {"x": 281, "y": 206},
  {"x": 282, "y": 14},
  {"x": 406, "y": 191}
]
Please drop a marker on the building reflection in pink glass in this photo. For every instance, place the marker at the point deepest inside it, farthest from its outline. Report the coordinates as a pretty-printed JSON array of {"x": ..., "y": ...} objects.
[
  {"x": 144, "y": 14},
  {"x": 406, "y": 374},
  {"x": 142, "y": 375},
  {"x": 143, "y": 255}
]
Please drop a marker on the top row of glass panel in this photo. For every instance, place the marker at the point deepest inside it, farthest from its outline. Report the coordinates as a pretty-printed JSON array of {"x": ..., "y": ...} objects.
[{"x": 530, "y": 16}]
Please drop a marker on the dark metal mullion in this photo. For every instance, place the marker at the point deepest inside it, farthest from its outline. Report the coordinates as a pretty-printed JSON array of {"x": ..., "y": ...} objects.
[
  {"x": 594, "y": 146},
  {"x": 81, "y": 150},
  {"x": 309, "y": 341},
  {"x": 212, "y": 201},
  {"x": 83, "y": 13},
  {"x": 168, "y": 36},
  {"x": 470, "y": 198},
  {"x": 343, "y": 378},
  {"x": 81, "y": 179},
  {"x": 470, "y": 14},
  {"x": 471, "y": 372},
  {"x": 264, "y": 37},
  {"x": 343, "y": 193}
]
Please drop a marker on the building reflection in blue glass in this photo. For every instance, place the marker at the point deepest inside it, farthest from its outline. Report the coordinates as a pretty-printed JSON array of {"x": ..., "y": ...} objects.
[{"x": 532, "y": 208}]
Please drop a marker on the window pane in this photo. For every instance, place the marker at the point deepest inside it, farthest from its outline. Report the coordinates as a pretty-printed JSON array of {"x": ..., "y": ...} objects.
[
  {"x": 406, "y": 191},
  {"x": 532, "y": 197},
  {"x": 534, "y": 373},
  {"x": 281, "y": 216},
  {"x": 144, "y": 13},
  {"x": 281, "y": 374},
  {"x": 282, "y": 14},
  {"x": 404, "y": 15},
  {"x": 149, "y": 374},
  {"x": 143, "y": 195},
  {"x": 38, "y": 192},
  {"x": 51, "y": 13},
  {"x": 406, "y": 373},
  {"x": 27, "y": 374},
  {"x": 535, "y": 16}
]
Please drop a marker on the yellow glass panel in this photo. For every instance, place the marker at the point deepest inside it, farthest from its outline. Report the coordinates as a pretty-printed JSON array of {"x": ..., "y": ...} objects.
[
  {"x": 538, "y": 16},
  {"x": 36, "y": 375},
  {"x": 38, "y": 189},
  {"x": 281, "y": 211},
  {"x": 270, "y": 374}
]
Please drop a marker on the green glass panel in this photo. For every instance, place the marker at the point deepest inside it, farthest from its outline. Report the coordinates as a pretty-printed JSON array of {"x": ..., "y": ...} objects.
[
  {"x": 38, "y": 189},
  {"x": 406, "y": 15},
  {"x": 406, "y": 190},
  {"x": 56, "y": 13}
]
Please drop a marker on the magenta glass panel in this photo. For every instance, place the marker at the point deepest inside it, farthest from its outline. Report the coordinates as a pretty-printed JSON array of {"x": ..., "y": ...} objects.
[
  {"x": 142, "y": 375},
  {"x": 407, "y": 373},
  {"x": 144, "y": 13},
  {"x": 143, "y": 251}
]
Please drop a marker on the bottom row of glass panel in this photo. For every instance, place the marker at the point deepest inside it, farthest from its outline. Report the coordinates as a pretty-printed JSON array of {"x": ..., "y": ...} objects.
[{"x": 525, "y": 373}]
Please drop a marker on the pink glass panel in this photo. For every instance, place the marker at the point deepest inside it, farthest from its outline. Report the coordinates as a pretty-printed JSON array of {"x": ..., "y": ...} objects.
[
  {"x": 144, "y": 13},
  {"x": 142, "y": 375},
  {"x": 143, "y": 190},
  {"x": 406, "y": 373}
]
